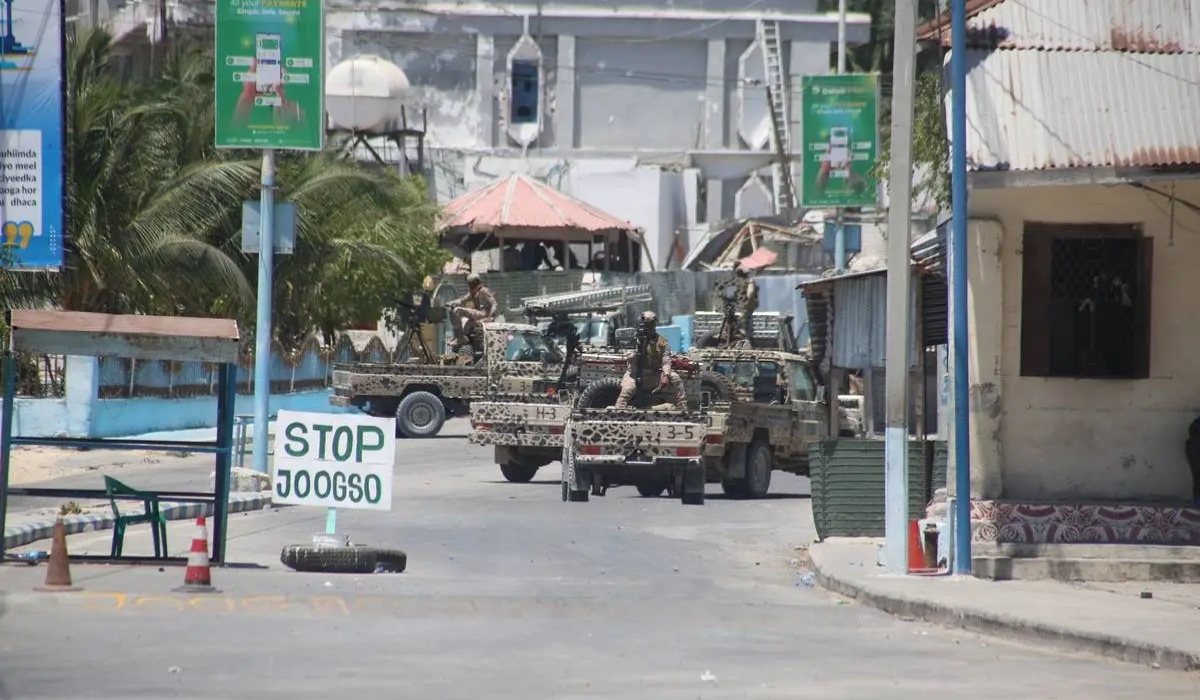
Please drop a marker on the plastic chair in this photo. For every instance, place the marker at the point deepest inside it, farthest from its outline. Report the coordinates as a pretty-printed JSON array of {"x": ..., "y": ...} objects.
[{"x": 152, "y": 515}]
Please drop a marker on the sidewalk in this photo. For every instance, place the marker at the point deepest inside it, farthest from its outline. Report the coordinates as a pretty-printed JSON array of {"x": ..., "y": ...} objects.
[
  {"x": 1109, "y": 619},
  {"x": 30, "y": 520}
]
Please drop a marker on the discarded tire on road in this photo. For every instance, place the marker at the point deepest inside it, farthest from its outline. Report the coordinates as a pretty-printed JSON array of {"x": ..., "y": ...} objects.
[{"x": 343, "y": 560}]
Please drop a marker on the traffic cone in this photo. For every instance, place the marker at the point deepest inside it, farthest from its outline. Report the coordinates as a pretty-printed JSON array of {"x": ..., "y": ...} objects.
[
  {"x": 916, "y": 553},
  {"x": 198, "y": 578},
  {"x": 58, "y": 573}
]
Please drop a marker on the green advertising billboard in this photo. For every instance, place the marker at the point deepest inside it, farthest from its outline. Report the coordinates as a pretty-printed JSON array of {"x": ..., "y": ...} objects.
[
  {"x": 270, "y": 76},
  {"x": 841, "y": 139}
]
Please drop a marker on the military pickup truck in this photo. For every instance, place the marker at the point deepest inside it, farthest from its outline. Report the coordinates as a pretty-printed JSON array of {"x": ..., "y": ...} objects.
[
  {"x": 767, "y": 417},
  {"x": 423, "y": 396},
  {"x": 526, "y": 426}
]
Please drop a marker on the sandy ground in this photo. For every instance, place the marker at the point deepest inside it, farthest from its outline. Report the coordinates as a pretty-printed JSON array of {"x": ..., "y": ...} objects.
[{"x": 31, "y": 465}]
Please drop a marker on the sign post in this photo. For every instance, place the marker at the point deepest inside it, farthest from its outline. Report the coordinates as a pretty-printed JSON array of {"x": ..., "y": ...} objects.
[
  {"x": 270, "y": 78},
  {"x": 32, "y": 156},
  {"x": 841, "y": 140},
  {"x": 334, "y": 461}
]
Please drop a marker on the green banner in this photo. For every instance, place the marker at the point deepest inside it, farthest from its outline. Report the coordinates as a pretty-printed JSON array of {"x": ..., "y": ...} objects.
[
  {"x": 841, "y": 139},
  {"x": 270, "y": 65}
]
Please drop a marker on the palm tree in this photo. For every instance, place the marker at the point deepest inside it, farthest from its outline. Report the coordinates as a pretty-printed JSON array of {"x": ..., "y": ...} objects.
[
  {"x": 131, "y": 162},
  {"x": 154, "y": 211}
]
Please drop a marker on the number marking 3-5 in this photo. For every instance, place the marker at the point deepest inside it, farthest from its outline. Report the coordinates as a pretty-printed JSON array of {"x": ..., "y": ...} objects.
[{"x": 685, "y": 432}]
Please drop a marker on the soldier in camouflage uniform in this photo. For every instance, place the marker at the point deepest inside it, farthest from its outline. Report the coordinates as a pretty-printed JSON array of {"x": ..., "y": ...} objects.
[
  {"x": 478, "y": 306},
  {"x": 656, "y": 372},
  {"x": 747, "y": 293}
]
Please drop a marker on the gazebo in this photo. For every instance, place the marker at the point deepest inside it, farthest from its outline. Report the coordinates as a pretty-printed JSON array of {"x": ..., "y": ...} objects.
[{"x": 518, "y": 208}]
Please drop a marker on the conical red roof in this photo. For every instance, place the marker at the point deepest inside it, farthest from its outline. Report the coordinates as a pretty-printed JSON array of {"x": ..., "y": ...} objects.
[{"x": 520, "y": 202}]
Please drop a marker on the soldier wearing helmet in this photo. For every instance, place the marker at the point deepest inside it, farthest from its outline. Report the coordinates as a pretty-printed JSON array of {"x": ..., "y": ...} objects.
[
  {"x": 478, "y": 306},
  {"x": 649, "y": 366}
]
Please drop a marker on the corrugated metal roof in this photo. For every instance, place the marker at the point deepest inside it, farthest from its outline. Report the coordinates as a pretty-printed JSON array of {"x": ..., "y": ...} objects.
[
  {"x": 1148, "y": 26},
  {"x": 1035, "y": 110}
]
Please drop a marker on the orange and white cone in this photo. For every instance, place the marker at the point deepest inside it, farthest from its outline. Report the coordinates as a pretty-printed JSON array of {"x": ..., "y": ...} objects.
[{"x": 198, "y": 578}]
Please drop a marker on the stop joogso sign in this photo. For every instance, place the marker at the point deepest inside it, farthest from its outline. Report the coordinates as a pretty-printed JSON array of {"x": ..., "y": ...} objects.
[{"x": 334, "y": 460}]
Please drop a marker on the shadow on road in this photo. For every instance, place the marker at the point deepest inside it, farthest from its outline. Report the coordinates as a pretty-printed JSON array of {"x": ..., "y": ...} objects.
[
  {"x": 535, "y": 482},
  {"x": 768, "y": 497}
]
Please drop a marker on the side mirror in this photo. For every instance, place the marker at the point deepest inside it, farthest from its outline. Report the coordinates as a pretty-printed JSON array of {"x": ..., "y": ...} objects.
[{"x": 821, "y": 394}]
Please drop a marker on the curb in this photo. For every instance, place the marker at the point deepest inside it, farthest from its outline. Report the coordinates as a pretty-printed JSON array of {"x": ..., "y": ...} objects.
[
  {"x": 1008, "y": 627},
  {"x": 20, "y": 535}
]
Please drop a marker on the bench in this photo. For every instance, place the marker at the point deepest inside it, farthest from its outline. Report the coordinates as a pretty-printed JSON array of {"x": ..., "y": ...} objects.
[{"x": 152, "y": 514}]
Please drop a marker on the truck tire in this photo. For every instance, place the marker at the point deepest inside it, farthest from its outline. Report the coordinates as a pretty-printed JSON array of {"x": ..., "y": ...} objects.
[
  {"x": 600, "y": 394},
  {"x": 651, "y": 489},
  {"x": 518, "y": 473},
  {"x": 342, "y": 560},
  {"x": 717, "y": 386},
  {"x": 760, "y": 461},
  {"x": 420, "y": 415},
  {"x": 569, "y": 494}
]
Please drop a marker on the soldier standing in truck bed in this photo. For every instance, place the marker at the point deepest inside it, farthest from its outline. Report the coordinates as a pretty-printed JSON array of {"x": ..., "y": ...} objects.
[
  {"x": 747, "y": 297},
  {"x": 656, "y": 373},
  {"x": 478, "y": 306}
]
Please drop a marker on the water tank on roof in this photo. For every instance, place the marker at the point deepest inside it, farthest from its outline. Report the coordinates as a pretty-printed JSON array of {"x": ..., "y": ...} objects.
[{"x": 365, "y": 93}]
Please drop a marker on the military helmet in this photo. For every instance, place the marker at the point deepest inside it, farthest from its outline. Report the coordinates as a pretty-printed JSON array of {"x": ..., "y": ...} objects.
[
  {"x": 649, "y": 318},
  {"x": 474, "y": 279}
]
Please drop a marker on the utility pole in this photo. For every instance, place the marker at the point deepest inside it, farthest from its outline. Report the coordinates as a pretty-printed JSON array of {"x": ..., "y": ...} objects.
[
  {"x": 899, "y": 297},
  {"x": 262, "y": 334},
  {"x": 958, "y": 285},
  {"x": 839, "y": 233}
]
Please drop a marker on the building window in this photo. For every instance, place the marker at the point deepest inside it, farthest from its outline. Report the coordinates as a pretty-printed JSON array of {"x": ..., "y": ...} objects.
[
  {"x": 523, "y": 107},
  {"x": 1085, "y": 307}
]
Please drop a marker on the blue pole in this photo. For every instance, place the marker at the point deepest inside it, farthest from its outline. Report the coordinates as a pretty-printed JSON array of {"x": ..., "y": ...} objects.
[
  {"x": 262, "y": 347},
  {"x": 958, "y": 284}
]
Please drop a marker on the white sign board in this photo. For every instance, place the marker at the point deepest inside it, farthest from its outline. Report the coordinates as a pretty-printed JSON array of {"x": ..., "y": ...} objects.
[{"x": 334, "y": 460}]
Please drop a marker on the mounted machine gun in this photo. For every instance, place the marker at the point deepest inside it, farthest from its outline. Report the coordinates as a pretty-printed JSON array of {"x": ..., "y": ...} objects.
[
  {"x": 564, "y": 317},
  {"x": 408, "y": 316}
]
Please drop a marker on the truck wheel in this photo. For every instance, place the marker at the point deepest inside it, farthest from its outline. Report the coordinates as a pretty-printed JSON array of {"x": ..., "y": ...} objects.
[
  {"x": 735, "y": 488},
  {"x": 692, "y": 486},
  {"x": 717, "y": 386},
  {"x": 759, "y": 463},
  {"x": 420, "y": 415},
  {"x": 518, "y": 473},
  {"x": 569, "y": 493},
  {"x": 600, "y": 394},
  {"x": 651, "y": 489}
]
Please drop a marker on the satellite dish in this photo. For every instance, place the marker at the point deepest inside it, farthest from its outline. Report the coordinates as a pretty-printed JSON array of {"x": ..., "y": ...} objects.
[{"x": 365, "y": 94}]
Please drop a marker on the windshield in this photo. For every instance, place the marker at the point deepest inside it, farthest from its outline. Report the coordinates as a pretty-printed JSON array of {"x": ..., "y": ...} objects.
[
  {"x": 528, "y": 346},
  {"x": 744, "y": 372}
]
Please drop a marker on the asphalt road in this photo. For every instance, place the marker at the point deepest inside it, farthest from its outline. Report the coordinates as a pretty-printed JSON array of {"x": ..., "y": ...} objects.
[{"x": 512, "y": 593}]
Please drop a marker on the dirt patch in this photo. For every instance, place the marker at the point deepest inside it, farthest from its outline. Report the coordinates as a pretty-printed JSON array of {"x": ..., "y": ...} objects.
[{"x": 32, "y": 465}]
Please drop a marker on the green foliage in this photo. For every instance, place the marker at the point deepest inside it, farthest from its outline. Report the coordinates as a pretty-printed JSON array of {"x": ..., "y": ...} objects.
[
  {"x": 154, "y": 211},
  {"x": 931, "y": 148}
]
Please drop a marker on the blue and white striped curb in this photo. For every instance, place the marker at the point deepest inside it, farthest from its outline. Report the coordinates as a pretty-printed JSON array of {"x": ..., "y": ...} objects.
[{"x": 20, "y": 535}]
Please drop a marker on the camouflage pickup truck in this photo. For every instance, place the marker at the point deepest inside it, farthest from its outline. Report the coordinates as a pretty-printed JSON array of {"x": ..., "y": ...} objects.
[
  {"x": 526, "y": 427},
  {"x": 765, "y": 417},
  {"x": 422, "y": 396}
]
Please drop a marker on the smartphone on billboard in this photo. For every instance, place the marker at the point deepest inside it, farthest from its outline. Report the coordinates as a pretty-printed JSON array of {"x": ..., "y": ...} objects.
[
  {"x": 268, "y": 57},
  {"x": 839, "y": 151}
]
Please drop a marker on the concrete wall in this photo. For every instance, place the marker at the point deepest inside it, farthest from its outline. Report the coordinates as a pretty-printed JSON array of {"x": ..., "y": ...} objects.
[
  {"x": 1037, "y": 438},
  {"x": 82, "y": 414}
]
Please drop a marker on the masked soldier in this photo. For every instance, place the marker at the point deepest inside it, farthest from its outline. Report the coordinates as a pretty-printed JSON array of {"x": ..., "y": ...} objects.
[
  {"x": 478, "y": 306},
  {"x": 655, "y": 371}
]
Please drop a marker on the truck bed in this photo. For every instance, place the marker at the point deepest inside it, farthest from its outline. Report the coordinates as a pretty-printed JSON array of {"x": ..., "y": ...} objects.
[
  {"x": 624, "y": 436},
  {"x": 518, "y": 420}
]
